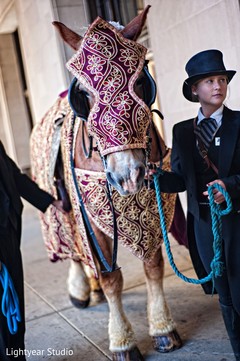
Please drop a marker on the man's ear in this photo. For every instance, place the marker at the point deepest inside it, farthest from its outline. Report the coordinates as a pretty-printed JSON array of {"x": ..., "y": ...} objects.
[{"x": 194, "y": 89}]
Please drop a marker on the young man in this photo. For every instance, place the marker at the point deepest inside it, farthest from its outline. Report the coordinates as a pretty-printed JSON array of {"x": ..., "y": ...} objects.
[{"x": 206, "y": 150}]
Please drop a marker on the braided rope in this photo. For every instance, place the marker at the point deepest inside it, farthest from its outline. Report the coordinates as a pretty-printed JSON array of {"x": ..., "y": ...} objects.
[
  {"x": 10, "y": 302},
  {"x": 216, "y": 214}
]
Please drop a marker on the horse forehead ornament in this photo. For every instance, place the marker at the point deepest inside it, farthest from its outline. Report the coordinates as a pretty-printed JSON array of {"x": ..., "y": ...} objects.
[{"x": 108, "y": 65}]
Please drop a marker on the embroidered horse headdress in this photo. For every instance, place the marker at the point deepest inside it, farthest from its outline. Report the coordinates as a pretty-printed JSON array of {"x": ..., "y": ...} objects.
[{"x": 108, "y": 65}]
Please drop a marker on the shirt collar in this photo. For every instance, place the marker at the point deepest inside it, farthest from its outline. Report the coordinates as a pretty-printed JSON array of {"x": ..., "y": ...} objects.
[{"x": 217, "y": 115}]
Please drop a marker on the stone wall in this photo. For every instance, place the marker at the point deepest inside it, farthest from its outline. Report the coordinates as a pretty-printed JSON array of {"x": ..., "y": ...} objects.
[
  {"x": 44, "y": 53},
  {"x": 14, "y": 122},
  {"x": 41, "y": 54},
  {"x": 181, "y": 28}
]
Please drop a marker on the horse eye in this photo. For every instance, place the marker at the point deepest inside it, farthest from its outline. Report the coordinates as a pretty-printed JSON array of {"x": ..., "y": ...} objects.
[{"x": 87, "y": 95}]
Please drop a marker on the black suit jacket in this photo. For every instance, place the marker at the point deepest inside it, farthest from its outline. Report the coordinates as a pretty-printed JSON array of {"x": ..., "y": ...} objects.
[
  {"x": 13, "y": 185},
  {"x": 183, "y": 175}
]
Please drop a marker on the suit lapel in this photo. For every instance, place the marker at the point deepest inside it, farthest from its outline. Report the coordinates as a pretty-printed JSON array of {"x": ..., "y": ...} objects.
[{"x": 229, "y": 134}]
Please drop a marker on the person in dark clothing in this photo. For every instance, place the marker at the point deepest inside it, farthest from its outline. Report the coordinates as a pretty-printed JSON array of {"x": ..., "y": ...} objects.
[
  {"x": 14, "y": 185},
  {"x": 206, "y": 150}
]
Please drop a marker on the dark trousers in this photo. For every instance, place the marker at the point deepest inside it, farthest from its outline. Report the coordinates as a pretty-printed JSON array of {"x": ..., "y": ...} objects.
[
  {"x": 10, "y": 255},
  {"x": 228, "y": 285}
]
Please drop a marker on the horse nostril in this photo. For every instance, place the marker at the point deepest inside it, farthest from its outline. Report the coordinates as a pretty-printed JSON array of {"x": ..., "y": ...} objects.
[
  {"x": 109, "y": 178},
  {"x": 114, "y": 181}
]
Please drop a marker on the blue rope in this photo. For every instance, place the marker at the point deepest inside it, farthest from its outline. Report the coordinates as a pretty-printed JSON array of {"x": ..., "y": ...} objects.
[
  {"x": 216, "y": 214},
  {"x": 10, "y": 302}
]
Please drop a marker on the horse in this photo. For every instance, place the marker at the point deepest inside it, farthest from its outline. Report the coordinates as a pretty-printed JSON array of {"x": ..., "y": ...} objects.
[{"x": 93, "y": 149}]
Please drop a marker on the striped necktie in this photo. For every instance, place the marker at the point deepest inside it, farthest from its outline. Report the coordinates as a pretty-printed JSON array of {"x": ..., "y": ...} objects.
[{"x": 206, "y": 131}]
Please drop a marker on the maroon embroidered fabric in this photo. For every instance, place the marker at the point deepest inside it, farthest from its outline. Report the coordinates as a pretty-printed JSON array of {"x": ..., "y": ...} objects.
[{"x": 108, "y": 64}]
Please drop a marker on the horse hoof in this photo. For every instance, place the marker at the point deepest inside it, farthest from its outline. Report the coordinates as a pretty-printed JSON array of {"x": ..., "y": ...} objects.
[
  {"x": 79, "y": 303},
  {"x": 129, "y": 355},
  {"x": 97, "y": 296},
  {"x": 168, "y": 342}
]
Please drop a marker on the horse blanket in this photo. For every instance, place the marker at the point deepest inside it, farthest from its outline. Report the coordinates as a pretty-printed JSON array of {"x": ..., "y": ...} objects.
[{"x": 137, "y": 216}]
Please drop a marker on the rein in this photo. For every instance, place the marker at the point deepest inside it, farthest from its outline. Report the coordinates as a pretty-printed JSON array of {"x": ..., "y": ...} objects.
[
  {"x": 105, "y": 266},
  {"x": 88, "y": 154},
  {"x": 216, "y": 214},
  {"x": 80, "y": 106}
]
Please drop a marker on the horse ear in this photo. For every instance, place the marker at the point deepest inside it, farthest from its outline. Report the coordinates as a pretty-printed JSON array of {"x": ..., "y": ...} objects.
[
  {"x": 133, "y": 29},
  {"x": 69, "y": 36}
]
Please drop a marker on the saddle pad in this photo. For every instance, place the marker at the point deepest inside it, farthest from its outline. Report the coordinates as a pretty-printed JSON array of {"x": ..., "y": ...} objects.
[
  {"x": 137, "y": 215},
  {"x": 65, "y": 235}
]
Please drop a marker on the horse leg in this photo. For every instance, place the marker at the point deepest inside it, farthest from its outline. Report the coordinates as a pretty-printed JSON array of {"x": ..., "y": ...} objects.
[
  {"x": 161, "y": 325},
  {"x": 121, "y": 335},
  {"x": 97, "y": 295},
  {"x": 78, "y": 285}
]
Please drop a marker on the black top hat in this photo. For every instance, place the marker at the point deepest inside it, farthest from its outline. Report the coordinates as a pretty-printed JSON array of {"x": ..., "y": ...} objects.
[{"x": 200, "y": 66}]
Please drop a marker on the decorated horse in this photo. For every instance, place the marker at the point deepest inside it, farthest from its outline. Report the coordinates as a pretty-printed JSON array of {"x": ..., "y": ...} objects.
[{"x": 93, "y": 149}]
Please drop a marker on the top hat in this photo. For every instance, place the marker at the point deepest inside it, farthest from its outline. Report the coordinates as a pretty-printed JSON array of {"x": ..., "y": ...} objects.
[{"x": 200, "y": 66}]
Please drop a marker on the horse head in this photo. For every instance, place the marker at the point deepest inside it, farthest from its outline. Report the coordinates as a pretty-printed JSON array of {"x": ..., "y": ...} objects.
[{"x": 107, "y": 92}]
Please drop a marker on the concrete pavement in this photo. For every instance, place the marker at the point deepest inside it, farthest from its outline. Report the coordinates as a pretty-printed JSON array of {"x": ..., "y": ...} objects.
[{"x": 58, "y": 331}]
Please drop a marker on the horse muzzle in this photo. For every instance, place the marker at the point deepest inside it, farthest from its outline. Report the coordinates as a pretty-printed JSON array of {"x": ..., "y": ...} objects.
[{"x": 129, "y": 181}]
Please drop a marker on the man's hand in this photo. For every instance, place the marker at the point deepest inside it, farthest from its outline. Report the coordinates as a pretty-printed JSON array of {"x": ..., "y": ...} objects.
[
  {"x": 218, "y": 196},
  {"x": 59, "y": 205}
]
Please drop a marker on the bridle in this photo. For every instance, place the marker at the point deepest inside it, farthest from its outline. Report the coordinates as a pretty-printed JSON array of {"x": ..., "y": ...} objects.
[
  {"x": 79, "y": 102},
  {"x": 100, "y": 46}
]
